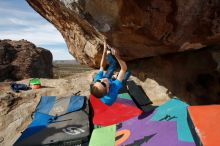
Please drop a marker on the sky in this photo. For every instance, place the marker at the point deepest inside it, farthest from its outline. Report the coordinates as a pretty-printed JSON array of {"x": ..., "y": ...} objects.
[{"x": 19, "y": 21}]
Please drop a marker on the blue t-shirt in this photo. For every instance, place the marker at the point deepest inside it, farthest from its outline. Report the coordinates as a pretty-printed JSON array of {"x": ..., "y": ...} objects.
[{"x": 115, "y": 85}]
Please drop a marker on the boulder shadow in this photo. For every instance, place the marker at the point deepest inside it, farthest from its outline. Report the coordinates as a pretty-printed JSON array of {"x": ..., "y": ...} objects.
[{"x": 192, "y": 76}]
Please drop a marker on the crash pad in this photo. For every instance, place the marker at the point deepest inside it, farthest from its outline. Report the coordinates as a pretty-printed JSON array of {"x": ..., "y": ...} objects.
[
  {"x": 175, "y": 110},
  {"x": 206, "y": 120},
  {"x": 142, "y": 131},
  {"x": 105, "y": 115},
  {"x": 104, "y": 136}
]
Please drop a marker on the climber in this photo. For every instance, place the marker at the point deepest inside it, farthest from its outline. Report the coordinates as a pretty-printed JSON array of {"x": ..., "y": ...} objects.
[{"x": 105, "y": 86}]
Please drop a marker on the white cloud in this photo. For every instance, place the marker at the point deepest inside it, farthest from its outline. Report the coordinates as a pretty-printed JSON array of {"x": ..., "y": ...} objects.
[
  {"x": 22, "y": 21},
  {"x": 9, "y": 10},
  {"x": 61, "y": 54},
  {"x": 40, "y": 35},
  {"x": 33, "y": 30},
  {"x": 18, "y": 21}
]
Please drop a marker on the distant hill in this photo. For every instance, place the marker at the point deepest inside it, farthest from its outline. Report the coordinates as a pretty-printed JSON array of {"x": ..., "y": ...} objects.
[
  {"x": 64, "y": 68},
  {"x": 65, "y": 62}
]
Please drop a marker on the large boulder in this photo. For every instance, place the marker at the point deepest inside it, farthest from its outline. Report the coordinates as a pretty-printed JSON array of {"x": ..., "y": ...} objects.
[
  {"x": 138, "y": 28},
  {"x": 22, "y": 59}
]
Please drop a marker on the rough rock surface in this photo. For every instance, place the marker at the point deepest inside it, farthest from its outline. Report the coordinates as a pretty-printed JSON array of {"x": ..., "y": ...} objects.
[
  {"x": 22, "y": 59},
  {"x": 138, "y": 28}
]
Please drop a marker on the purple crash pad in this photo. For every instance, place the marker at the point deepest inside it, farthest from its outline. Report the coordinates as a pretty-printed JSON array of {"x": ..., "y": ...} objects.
[{"x": 150, "y": 133}]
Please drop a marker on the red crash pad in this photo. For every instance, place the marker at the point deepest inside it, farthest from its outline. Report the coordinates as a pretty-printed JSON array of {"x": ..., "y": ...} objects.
[
  {"x": 105, "y": 115},
  {"x": 206, "y": 120}
]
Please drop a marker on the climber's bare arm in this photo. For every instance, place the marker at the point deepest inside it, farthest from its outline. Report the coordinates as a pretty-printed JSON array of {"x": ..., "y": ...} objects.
[
  {"x": 122, "y": 64},
  {"x": 102, "y": 63}
]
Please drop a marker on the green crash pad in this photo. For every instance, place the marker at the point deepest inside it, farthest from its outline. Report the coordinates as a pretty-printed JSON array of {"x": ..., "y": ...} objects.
[{"x": 104, "y": 136}]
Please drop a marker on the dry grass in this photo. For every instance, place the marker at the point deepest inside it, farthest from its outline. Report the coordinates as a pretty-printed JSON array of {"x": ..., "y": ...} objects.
[{"x": 64, "y": 70}]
